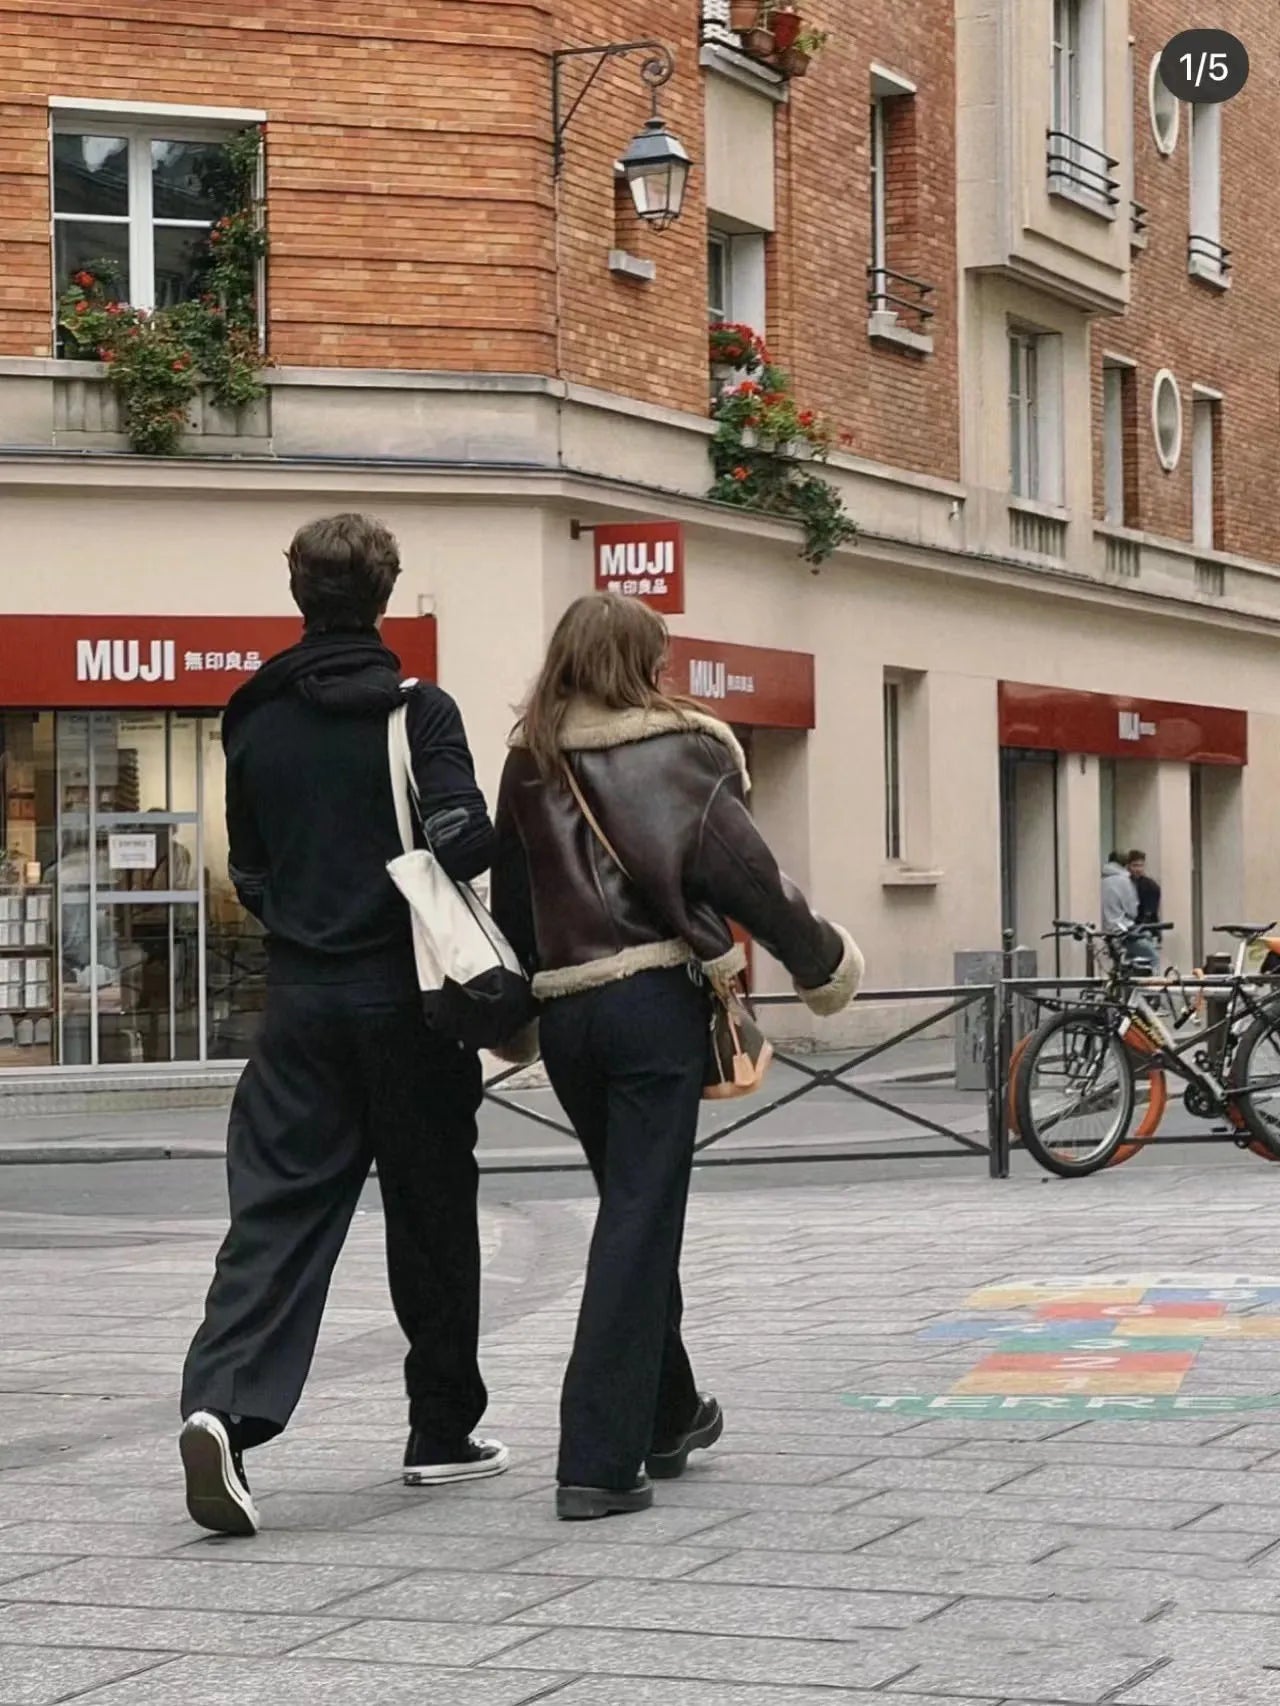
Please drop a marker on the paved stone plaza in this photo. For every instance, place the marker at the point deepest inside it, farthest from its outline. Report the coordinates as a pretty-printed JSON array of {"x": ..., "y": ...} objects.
[{"x": 823, "y": 1553}]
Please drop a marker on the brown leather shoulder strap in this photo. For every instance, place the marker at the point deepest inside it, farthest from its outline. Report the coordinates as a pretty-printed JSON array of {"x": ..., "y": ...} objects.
[{"x": 572, "y": 782}]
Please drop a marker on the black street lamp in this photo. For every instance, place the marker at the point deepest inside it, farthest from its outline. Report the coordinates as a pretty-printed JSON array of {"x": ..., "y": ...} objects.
[{"x": 655, "y": 165}]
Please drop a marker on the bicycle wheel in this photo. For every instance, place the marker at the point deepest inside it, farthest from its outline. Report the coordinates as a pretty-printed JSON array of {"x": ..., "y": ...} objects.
[
  {"x": 1075, "y": 1094},
  {"x": 1255, "y": 1079},
  {"x": 1151, "y": 1097}
]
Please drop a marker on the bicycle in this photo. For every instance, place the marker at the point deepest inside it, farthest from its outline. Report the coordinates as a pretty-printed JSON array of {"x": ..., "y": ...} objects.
[{"x": 1073, "y": 1083}]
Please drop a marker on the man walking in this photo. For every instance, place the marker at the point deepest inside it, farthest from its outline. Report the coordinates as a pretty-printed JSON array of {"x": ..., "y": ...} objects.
[{"x": 344, "y": 1071}]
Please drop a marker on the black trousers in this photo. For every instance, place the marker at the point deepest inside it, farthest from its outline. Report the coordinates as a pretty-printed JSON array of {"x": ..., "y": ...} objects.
[
  {"x": 343, "y": 1075},
  {"x": 626, "y": 1062}
]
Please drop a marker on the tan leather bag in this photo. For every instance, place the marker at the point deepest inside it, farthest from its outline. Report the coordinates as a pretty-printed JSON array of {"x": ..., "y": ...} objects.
[{"x": 738, "y": 1052}]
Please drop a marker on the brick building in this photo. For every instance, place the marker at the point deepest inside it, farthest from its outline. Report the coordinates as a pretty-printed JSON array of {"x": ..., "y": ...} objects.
[{"x": 975, "y": 233}]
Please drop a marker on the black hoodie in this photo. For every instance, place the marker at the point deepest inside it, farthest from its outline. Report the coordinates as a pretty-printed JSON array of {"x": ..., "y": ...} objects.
[{"x": 310, "y": 814}]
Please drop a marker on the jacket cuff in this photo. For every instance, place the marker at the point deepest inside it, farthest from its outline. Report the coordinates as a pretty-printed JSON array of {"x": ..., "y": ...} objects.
[
  {"x": 726, "y": 966},
  {"x": 838, "y": 991},
  {"x": 521, "y": 1049}
]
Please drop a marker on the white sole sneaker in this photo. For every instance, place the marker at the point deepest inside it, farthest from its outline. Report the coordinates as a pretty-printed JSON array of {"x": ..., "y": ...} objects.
[
  {"x": 445, "y": 1474},
  {"x": 217, "y": 1499}
]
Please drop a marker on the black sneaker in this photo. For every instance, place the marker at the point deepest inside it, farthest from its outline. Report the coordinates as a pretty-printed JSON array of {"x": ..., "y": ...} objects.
[
  {"x": 426, "y": 1465},
  {"x": 668, "y": 1460},
  {"x": 585, "y": 1504},
  {"x": 218, "y": 1496}
]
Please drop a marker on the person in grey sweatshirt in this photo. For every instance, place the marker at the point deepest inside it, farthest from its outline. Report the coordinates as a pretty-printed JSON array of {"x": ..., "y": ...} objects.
[{"x": 1120, "y": 912}]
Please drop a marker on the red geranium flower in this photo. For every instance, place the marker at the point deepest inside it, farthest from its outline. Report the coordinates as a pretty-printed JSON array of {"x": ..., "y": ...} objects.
[
  {"x": 742, "y": 473},
  {"x": 106, "y": 355},
  {"x": 82, "y": 307},
  {"x": 805, "y": 417},
  {"x": 85, "y": 280}
]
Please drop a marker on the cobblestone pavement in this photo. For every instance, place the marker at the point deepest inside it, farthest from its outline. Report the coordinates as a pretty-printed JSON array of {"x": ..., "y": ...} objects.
[{"x": 823, "y": 1553}]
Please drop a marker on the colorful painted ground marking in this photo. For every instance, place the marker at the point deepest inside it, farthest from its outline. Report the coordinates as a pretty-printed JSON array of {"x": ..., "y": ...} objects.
[{"x": 1096, "y": 1344}]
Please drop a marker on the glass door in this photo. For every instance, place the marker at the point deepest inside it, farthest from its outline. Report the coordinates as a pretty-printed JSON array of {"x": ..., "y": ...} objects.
[{"x": 129, "y": 894}]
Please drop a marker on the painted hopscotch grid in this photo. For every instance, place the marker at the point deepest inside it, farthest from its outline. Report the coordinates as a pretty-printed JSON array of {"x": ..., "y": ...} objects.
[{"x": 1111, "y": 1345}]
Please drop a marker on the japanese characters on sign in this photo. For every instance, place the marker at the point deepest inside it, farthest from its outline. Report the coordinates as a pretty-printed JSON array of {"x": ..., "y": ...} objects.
[
  {"x": 175, "y": 662},
  {"x": 644, "y": 560}
]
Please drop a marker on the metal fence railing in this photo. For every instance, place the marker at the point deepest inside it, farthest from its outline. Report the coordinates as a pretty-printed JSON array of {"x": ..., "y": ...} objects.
[{"x": 920, "y": 1113}]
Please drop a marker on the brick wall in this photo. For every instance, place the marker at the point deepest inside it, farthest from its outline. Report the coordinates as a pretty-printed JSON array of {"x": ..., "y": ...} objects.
[
  {"x": 412, "y": 208},
  {"x": 1228, "y": 341},
  {"x": 900, "y": 408},
  {"x": 409, "y": 208}
]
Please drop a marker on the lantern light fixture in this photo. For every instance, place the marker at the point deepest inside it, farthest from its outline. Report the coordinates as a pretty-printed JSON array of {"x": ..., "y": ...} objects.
[{"x": 655, "y": 164}]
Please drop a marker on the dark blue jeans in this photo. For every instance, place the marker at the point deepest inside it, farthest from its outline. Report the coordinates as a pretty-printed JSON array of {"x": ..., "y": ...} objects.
[
  {"x": 627, "y": 1062},
  {"x": 343, "y": 1075}
]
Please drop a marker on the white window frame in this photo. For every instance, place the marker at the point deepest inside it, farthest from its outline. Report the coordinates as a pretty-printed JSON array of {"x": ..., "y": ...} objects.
[
  {"x": 722, "y": 244},
  {"x": 1205, "y": 406},
  {"x": 879, "y": 245},
  {"x": 743, "y": 257},
  {"x": 886, "y": 86},
  {"x": 894, "y": 813},
  {"x": 139, "y": 125},
  {"x": 1078, "y": 102},
  {"x": 1166, "y": 136},
  {"x": 1206, "y": 195},
  {"x": 1115, "y": 375},
  {"x": 1035, "y": 415},
  {"x": 1165, "y": 384}
]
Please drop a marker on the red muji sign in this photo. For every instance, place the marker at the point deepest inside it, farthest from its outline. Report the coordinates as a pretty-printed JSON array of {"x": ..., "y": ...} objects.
[
  {"x": 644, "y": 560},
  {"x": 755, "y": 686},
  {"x": 173, "y": 662}
]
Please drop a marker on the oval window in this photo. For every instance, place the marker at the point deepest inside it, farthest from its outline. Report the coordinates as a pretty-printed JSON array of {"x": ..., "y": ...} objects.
[
  {"x": 1166, "y": 419},
  {"x": 1166, "y": 110}
]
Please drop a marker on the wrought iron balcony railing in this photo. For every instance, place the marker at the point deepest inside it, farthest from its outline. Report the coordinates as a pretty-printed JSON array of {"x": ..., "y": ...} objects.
[
  {"x": 898, "y": 293},
  {"x": 1207, "y": 258},
  {"x": 1078, "y": 168}
]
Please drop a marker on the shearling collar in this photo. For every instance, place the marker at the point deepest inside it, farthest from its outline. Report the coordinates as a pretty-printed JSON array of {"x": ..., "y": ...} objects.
[{"x": 591, "y": 727}]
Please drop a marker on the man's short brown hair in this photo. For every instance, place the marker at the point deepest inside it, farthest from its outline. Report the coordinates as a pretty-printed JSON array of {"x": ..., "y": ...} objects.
[{"x": 342, "y": 569}]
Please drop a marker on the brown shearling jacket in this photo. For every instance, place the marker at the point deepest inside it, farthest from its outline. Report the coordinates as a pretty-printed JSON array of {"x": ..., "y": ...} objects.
[{"x": 669, "y": 791}]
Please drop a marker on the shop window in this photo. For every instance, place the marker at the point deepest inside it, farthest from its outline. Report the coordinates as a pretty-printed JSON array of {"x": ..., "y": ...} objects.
[
  {"x": 134, "y": 200},
  {"x": 1119, "y": 442},
  {"x": 121, "y": 940},
  {"x": 1035, "y": 415}
]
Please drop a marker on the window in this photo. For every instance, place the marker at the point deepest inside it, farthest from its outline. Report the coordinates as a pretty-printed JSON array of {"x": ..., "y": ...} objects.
[
  {"x": 1205, "y": 446},
  {"x": 1166, "y": 419},
  {"x": 1119, "y": 442},
  {"x": 736, "y": 277},
  {"x": 1066, "y": 67},
  {"x": 1165, "y": 109},
  {"x": 898, "y": 298},
  {"x": 878, "y": 246},
  {"x": 135, "y": 200},
  {"x": 1079, "y": 167},
  {"x": 1207, "y": 259},
  {"x": 893, "y": 837},
  {"x": 1035, "y": 408},
  {"x": 719, "y": 305}
]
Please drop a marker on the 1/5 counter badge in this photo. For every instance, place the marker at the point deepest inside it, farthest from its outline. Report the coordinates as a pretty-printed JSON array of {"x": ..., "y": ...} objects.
[
  {"x": 1204, "y": 67},
  {"x": 1100, "y": 1345}
]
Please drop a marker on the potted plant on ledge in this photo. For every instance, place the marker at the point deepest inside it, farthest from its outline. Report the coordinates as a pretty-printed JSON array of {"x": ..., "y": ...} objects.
[
  {"x": 794, "y": 61},
  {"x": 786, "y": 24}
]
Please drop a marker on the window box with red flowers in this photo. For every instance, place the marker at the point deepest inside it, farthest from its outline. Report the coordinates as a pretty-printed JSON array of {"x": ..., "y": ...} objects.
[
  {"x": 161, "y": 364},
  {"x": 761, "y": 435}
]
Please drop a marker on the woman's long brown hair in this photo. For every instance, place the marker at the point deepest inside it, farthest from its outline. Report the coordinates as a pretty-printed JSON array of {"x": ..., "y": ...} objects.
[{"x": 608, "y": 649}]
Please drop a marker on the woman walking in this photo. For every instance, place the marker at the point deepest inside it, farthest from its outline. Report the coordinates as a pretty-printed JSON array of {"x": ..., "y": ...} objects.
[{"x": 622, "y": 921}]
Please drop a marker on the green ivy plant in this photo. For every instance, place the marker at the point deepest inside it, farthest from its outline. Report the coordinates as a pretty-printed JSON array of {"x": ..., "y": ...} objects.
[
  {"x": 765, "y": 444},
  {"x": 157, "y": 362}
]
